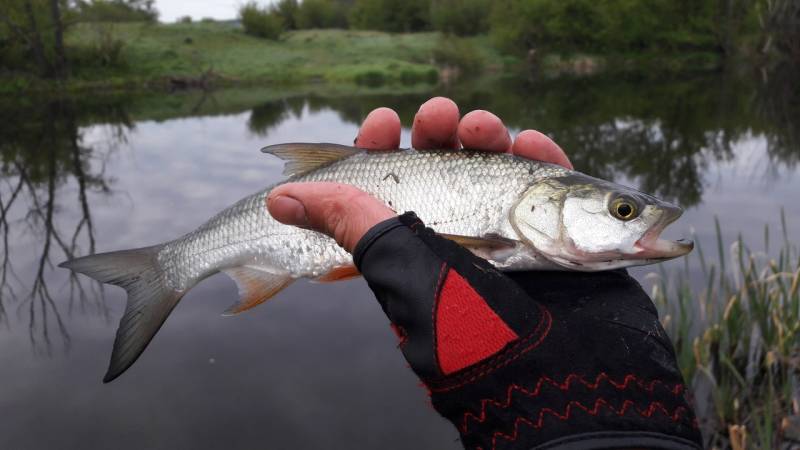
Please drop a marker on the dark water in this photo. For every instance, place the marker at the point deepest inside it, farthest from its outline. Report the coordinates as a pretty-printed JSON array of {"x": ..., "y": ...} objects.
[{"x": 316, "y": 367}]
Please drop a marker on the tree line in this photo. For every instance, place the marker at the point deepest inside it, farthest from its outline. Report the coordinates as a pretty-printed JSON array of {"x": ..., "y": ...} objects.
[
  {"x": 32, "y": 32},
  {"x": 517, "y": 26}
]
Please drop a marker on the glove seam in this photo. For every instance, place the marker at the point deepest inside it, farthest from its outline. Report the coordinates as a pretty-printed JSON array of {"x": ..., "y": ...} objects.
[
  {"x": 499, "y": 360},
  {"x": 566, "y": 385},
  {"x": 372, "y": 235},
  {"x": 627, "y": 405},
  {"x": 443, "y": 270}
]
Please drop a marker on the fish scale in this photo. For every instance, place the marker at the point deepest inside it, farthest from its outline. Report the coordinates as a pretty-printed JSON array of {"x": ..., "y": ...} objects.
[
  {"x": 519, "y": 214},
  {"x": 455, "y": 192}
]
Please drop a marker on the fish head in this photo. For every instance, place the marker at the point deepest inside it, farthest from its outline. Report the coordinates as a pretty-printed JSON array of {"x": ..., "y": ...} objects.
[{"x": 582, "y": 223}]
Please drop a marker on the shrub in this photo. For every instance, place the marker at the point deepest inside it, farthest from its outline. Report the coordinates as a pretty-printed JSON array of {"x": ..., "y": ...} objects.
[
  {"x": 321, "y": 14},
  {"x": 287, "y": 9},
  {"x": 391, "y": 15},
  {"x": 117, "y": 11},
  {"x": 105, "y": 50},
  {"x": 461, "y": 17},
  {"x": 457, "y": 52},
  {"x": 260, "y": 22},
  {"x": 185, "y": 19},
  {"x": 606, "y": 25}
]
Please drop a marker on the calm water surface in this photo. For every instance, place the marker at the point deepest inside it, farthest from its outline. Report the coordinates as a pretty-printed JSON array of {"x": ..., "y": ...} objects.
[{"x": 317, "y": 366}]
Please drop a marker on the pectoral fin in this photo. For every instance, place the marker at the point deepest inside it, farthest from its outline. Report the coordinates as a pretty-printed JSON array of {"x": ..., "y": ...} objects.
[
  {"x": 487, "y": 247},
  {"x": 256, "y": 285},
  {"x": 486, "y": 243}
]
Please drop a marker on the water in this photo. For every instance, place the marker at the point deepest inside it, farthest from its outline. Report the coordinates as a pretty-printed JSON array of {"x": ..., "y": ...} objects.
[{"x": 317, "y": 366}]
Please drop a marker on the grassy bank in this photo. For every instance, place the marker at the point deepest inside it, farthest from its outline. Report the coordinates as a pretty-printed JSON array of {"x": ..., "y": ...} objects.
[
  {"x": 141, "y": 55},
  {"x": 146, "y": 56}
]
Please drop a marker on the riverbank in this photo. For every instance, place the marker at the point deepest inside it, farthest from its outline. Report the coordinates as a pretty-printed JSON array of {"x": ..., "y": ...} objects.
[
  {"x": 185, "y": 55},
  {"x": 152, "y": 56}
]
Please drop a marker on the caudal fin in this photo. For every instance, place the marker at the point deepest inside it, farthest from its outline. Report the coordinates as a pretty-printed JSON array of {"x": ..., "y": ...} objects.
[{"x": 150, "y": 300}]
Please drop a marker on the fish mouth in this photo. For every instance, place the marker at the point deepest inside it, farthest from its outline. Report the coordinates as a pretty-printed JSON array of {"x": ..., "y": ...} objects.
[{"x": 652, "y": 246}]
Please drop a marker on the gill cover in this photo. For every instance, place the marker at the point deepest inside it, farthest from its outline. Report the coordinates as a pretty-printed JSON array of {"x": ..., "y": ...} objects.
[{"x": 574, "y": 222}]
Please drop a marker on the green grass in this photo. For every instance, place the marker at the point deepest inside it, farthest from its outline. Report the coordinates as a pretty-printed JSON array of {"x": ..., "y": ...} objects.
[
  {"x": 738, "y": 341},
  {"x": 152, "y": 54}
]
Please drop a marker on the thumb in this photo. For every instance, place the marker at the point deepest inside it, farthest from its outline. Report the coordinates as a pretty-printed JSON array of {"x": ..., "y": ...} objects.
[{"x": 341, "y": 211}]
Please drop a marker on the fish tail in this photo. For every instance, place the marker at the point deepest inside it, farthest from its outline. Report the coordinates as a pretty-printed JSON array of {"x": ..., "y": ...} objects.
[{"x": 150, "y": 299}]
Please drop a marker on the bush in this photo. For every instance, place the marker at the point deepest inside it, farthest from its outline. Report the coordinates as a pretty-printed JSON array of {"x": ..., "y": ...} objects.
[
  {"x": 605, "y": 25},
  {"x": 320, "y": 14},
  {"x": 391, "y": 15},
  {"x": 260, "y": 22},
  {"x": 461, "y": 17},
  {"x": 459, "y": 53},
  {"x": 117, "y": 11},
  {"x": 104, "y": 51},
  {"x": 287, "y": 9},
  {"x": 185, "y": 19}
]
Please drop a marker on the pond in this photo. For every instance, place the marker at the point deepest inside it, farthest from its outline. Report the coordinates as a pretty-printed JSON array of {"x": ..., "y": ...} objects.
[{"x": 317, "y": 366}]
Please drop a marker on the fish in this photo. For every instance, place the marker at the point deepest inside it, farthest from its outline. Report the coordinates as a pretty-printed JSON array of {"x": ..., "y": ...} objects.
[{"x": 517, "y": 213}]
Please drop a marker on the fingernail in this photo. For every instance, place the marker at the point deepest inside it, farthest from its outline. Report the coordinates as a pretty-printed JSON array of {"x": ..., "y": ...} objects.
[{"x": 288, "y": 210}]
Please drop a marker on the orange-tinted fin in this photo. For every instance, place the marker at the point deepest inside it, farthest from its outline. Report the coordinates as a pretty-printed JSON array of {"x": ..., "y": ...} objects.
[
  {"x": 339, "y": 273},
  {"x": 481, "y": 243},
  {"x": 256, "y": 285}
]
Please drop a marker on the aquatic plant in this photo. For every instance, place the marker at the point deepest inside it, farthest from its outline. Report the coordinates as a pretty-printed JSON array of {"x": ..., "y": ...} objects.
[{"x": 737, "y": 340}]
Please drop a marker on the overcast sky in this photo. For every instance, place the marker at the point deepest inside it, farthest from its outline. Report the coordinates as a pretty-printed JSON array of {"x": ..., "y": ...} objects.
[{"x": 218, "y": 9}]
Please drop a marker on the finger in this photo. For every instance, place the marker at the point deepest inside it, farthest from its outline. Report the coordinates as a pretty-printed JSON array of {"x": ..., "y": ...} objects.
[
  {"x": 341, "y": 211},
  {"x": 435, "y": 125},
  {"x": 482, "y": 130},
  {"x": 532, "y": 144},
  {"x": 380, "y": 130}
]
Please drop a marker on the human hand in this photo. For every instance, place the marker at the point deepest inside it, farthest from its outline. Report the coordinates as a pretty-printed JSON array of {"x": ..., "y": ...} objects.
[
  {"x": 346, "y": 213},
  {"x": 513, "y": 360}
]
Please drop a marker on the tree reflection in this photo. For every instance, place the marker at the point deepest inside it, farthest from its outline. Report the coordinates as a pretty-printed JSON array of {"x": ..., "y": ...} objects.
[
  {"x": 661, "y": 134},
  {"x": 40, "y": 159}
]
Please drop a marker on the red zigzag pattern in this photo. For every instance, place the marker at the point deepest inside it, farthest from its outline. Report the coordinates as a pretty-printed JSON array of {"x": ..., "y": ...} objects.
[
  {"x": 626, "y": 405},
  {"x": 565, "y": 386}
]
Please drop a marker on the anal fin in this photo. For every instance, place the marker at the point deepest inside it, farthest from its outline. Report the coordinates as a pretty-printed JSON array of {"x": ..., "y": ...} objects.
[
  {"x": 256, "y": 285},
  {"x": 339, "y": 273}
]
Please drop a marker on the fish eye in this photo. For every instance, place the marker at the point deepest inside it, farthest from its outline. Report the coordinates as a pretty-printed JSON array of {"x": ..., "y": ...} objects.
[{"x": 623, "y": 208}]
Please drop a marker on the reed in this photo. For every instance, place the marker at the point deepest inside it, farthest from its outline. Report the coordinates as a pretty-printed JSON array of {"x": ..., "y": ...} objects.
[{"x": 737, "y": 338}]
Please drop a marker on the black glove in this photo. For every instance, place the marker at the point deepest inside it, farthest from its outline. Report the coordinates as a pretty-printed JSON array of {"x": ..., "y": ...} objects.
[{"x": 528, "y": 359}]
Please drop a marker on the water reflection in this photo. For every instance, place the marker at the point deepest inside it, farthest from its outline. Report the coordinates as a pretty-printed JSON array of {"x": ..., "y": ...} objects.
[
  {"x": 39, "y": 155},
  {"x": 68, "y": 166},
  {"x": 662, "y": 136}
]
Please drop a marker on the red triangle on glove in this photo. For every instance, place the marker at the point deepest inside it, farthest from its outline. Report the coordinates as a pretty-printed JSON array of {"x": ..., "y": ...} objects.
[{"x": 467, "y": 329}]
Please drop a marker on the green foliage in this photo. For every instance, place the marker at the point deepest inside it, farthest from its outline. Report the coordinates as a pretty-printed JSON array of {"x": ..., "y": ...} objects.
[
  {"x": 320, "y": 14},
  {"x": 780, "y": 26},
  {"x": 457, "y": 52},
  {"x": 606, "y": 25},
  {"x": 185, "y": 19},
  {"x": 287, "y": 10},
  {"x": 26, "y": 36},
  {"x": 259, "y": 22},
  {"x": 116, "y": 11},
  {"x": 391, "y": 15},
  {"x": 461, "y": 17},
  {"x": 737, "y": 338},
  {"x": 103, "y": 50}
]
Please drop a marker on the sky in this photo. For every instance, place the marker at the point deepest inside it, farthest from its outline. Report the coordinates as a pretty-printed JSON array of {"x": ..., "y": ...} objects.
[{"x": 171, "y": 10}]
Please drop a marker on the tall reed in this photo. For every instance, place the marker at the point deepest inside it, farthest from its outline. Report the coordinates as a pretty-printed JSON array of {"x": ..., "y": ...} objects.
[{"x": 737, "y": 337}]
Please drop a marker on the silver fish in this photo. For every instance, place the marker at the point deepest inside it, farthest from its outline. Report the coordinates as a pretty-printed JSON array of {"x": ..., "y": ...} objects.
[{"x": 519, "y": 214}]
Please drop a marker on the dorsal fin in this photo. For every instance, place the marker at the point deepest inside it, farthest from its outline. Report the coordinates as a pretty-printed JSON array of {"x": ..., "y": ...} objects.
[{"x": 301, "y": 158}]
